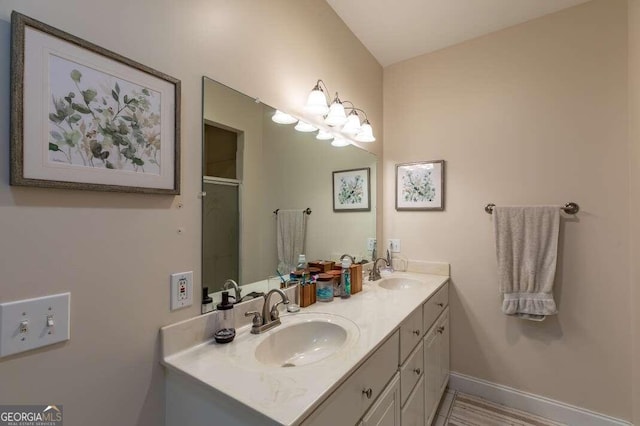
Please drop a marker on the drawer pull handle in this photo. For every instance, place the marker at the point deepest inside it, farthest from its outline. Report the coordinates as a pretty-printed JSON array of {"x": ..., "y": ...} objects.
[
  {"x": 368, "y": 392},
  {"x": 440, "y": 329},
  {"x": 440, "y": 304},
  {"x": 417, "y": 371},
  {"x": 416, "y": 332}
]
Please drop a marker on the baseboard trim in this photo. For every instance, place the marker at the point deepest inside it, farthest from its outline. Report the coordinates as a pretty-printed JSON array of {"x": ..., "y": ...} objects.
[{"x": 535, "y": 404}]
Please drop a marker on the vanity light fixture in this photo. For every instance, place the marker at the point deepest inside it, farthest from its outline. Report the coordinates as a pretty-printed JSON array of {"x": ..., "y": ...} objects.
[
  {"x": 305, "y": 127},
  {"x": 340, "y": 142},
  {"x": 317, "y": 101},
  {"x": 336, "y": 115},
  {"x": 366, "y": 133},
  {"x": 323, "y": 135},
  {"x": 283, "y": 118},
  {"x": 352, "y": 126}
]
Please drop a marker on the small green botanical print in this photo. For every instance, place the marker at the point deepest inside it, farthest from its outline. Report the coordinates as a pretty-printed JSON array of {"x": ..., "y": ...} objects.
[
  {"x": 417, "y": 186},
  {"x": 351, "y": 190},
  {"x": 98, "y": 120}
]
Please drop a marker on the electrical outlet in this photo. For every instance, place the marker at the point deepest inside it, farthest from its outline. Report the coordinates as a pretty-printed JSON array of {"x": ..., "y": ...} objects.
[
  {"x": 181, "y": 290},
  {"x": 33, "y": 323},
  {"x": 394, "y": 245},
  {"x": 370, "y": 243}
]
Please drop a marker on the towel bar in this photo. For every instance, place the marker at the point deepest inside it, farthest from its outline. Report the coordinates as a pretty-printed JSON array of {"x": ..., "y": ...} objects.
[
  {"x": 307, "y": 211},
  {"x": 569, "y": 208}
]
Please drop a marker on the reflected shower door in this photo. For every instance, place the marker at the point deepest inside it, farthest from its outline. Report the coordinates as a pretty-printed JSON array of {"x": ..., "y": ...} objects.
[{"x": 220, "y": 234}]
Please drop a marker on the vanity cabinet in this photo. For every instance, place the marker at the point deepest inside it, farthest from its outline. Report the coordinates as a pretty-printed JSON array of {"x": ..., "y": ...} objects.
[
  {"x": 413, "y": 410},
  {"x": 356, "y": 395}
]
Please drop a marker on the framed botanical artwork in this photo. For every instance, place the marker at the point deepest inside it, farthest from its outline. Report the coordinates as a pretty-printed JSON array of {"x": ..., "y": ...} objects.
[
  {"x": 420, "y": 186},
  {"x": 83, "y": 117},
  {"x": 352, "y": 190}
]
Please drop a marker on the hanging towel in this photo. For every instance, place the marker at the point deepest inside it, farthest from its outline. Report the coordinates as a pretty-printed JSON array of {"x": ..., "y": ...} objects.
[
  {"x": 292, "y": 228},
  {"x": 527, "y": 251}
]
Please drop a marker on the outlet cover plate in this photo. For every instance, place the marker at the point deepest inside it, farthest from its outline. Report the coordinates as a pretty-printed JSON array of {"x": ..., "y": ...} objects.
[
  {"x": 33, "y": 323},
  {"x": 370, "y": 243},
  {"x": 394, "y": 245},
  {"x": 181, "y": 290}
]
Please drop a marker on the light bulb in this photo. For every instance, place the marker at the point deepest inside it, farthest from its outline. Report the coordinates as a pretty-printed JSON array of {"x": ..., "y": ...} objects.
[
  {"x": 323, "y": 135},
  {"x": 366, "y": 133},
  {"x": 352, "y": 126},
  {"x": 283, "y": 118},
  {"x": 303, "y": 126}
]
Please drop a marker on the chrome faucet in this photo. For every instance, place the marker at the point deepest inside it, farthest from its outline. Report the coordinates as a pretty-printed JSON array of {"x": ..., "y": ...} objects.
[
  {"x": 270, "y": 317},
  {"x": 231, "y": 283},
  {"x": 374, "y": 274},
  {"x": 353, "y": 261}
]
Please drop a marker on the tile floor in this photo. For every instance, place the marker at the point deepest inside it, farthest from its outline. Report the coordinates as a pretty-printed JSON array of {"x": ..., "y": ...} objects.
[{"x": 460, "y": 409}]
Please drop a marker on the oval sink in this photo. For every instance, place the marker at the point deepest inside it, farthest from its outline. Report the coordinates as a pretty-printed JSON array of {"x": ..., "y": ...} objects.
[
  {"x": 305, "y": 342},
  {"x": 399, "y": 283}
]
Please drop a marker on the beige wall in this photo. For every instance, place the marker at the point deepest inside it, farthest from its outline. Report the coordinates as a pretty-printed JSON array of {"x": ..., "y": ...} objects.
[
  {"x": 634, "y": 179},
  {"x": 533, "y": 114},
  {"x": 115, "y": 252}
]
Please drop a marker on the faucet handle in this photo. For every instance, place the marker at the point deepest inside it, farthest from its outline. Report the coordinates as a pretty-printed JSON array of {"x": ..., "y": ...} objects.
[
  {"x": 257, "y": 317},
  {"x": 275, "y": 314}
]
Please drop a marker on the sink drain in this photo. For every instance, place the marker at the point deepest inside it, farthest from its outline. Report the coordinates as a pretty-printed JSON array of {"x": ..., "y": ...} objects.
[{"x": 288, "y": 364}]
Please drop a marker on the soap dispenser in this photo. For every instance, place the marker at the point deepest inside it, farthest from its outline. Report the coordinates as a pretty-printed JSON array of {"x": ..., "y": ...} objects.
[{"x": 226, "y": 330}]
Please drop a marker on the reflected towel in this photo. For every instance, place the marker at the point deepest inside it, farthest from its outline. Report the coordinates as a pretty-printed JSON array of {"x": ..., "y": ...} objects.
[
  {"x": 291, "y": 228},
  {"x": 527, "y": 251}
]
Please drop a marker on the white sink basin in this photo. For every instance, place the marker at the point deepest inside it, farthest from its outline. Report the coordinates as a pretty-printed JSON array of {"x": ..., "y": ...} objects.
[
  {"x": 399, "y": 283},
  {"x": 306, "y": 339}
]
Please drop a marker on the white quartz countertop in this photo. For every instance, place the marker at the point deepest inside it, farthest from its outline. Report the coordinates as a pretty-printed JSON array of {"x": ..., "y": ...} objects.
[{"x": 289, "y": 395}]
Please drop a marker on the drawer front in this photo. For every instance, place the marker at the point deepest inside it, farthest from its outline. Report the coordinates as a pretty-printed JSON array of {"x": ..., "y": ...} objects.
[
  {"x": 354, "y": 397},
  {"x": 411, "y": 332},
  {"x": 411, "y": 372},
  {"x": 435, "y": 305},
  {"x": 413, "y": 412}
]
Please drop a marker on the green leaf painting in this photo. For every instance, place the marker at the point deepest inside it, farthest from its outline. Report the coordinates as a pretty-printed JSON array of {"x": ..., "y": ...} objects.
[
  {"x": 418, "y": 186},
  {"x": 97, "y": 120},
  {"x": 351, "y": 190}
]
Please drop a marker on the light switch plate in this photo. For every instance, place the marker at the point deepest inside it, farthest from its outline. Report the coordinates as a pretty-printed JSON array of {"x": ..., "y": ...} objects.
[
  {"x": 33, "y": 323},
  {"x": 181, "y": 290},
  {"x": 371, "y": 242}
]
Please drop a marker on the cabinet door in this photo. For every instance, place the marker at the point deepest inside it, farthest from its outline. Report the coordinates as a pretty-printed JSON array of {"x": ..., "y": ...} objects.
[
  {"x": 413, "y": 411},
  {"x": 444, "y": 349},
  {"x": 431, "y": 371},
  {"x": 386, "y": 410}
]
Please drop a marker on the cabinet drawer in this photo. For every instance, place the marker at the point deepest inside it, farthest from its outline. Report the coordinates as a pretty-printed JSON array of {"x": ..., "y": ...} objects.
[
  {"x": 411, "y": 371},
  {"x": 351, "y": 400},
  {"x": 411, "y": 331},
  {"x": 433, "y": 307},
  {"x": 413, "y": 412}
]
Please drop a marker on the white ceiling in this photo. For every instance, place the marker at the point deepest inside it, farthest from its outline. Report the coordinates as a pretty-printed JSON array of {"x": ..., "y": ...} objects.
[{"x": 397, "y": 30}]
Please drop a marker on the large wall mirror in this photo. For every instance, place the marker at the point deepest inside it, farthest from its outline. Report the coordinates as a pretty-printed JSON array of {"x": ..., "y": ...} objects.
[{"x": 253, "y": 167}]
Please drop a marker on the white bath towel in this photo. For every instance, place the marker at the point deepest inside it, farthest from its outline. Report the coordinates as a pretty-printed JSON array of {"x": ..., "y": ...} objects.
[
  {"x": 527, "y": 251},
  {"x": 292, "y": 229}
]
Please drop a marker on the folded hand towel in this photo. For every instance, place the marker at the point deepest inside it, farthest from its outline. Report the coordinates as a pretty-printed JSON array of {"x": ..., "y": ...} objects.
[{"x": 527, "y": 247}]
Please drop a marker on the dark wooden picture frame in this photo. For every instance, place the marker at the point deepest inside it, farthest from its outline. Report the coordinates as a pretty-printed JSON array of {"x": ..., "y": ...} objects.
[
  {"x": 418, "y": 197},
  {"x": 168, "y": 165},
  {"x": 349, "y": 186}
]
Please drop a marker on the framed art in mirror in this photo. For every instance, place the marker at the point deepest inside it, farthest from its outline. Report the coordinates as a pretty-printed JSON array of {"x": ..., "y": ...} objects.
[
  {"x": 84, "y": 117},
  {"x": 351, "y": 190},
  {"x": 420, "y": 186}
]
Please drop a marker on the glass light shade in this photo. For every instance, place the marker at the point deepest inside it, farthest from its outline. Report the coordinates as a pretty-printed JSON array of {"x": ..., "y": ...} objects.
[
  {"x": 340, "y": 142},
  {"x": 303, "y": 126},
  {"x": 336, "y": 116},
  {"x": 316, "y": 103},
  {"x": 366, "y": 133},
  {"x": 352, "y": 126},
  {"x": 283, "y": 118},
  {"x": 323, "y": 135}
]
